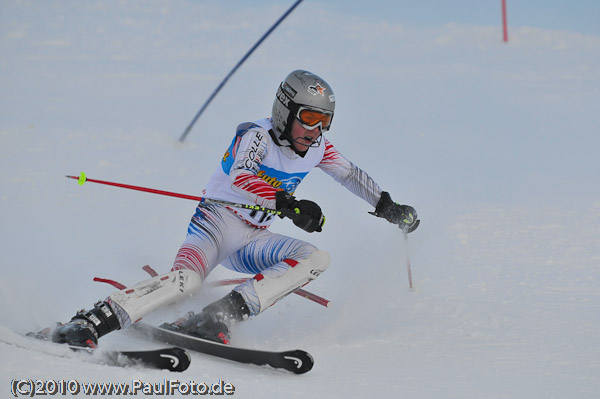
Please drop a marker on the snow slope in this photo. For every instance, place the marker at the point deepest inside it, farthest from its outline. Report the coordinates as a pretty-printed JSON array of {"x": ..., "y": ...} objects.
[{"x": 494, "y": 144}]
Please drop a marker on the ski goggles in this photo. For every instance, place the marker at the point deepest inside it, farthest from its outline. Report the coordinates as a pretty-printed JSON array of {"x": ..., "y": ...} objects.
[{"x": 311, "y": 118}]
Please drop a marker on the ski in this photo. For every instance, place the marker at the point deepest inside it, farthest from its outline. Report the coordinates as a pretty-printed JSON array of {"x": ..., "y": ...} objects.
[
  {"x": 296, "y": 361},
  {"x": 172, "y": 359}
]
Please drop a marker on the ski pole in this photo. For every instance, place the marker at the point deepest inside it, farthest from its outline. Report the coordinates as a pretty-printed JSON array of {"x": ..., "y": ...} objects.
[
  {"x": 410, "y": 283},
  {"x": 82, "y": 178}
]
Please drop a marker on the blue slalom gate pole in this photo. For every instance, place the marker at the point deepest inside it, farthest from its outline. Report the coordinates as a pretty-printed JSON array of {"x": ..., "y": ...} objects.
[{"x": 235, "y": 68}]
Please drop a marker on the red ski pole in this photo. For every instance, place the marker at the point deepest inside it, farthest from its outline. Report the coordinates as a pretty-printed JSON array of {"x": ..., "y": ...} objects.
[{"x": 82, "y": 178}]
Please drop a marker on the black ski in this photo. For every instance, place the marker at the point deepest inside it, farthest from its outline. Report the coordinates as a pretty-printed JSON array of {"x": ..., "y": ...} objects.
[
  {"x": 296, "y": 361},
  {"x": 172, "y": 359}
]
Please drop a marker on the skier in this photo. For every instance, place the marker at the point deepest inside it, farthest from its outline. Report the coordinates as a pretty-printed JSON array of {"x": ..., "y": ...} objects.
[{"x": 263, "y": 166}]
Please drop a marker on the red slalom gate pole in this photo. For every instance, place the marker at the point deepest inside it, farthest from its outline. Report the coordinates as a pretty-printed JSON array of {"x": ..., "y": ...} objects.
[
  {"x": 303, "y": 293},
  {"x": 504, "y": 22}
]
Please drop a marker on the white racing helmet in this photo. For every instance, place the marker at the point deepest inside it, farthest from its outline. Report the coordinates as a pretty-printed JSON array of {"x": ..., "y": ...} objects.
[{"x": 306, "y": 97}]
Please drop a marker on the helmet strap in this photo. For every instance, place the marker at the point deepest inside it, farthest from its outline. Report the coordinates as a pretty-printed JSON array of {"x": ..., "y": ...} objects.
[
  {"x": 279, "y": 138},
  {"x": 283, "y": 141},
  {"x": 293, "y": 107},
  {"x": 286, "y": 135}
]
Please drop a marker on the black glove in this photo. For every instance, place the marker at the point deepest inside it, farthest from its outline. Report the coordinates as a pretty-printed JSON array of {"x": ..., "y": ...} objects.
[
  {"x": 305, "y": 214},
  {"x": 403, "y": 215}
]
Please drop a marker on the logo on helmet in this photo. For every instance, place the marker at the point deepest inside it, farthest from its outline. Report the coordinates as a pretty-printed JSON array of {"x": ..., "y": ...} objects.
[
  {"x": 316, "y": 89},
  {"x": 289, "y": 90},
  {"x": 285, "y": 100}
]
